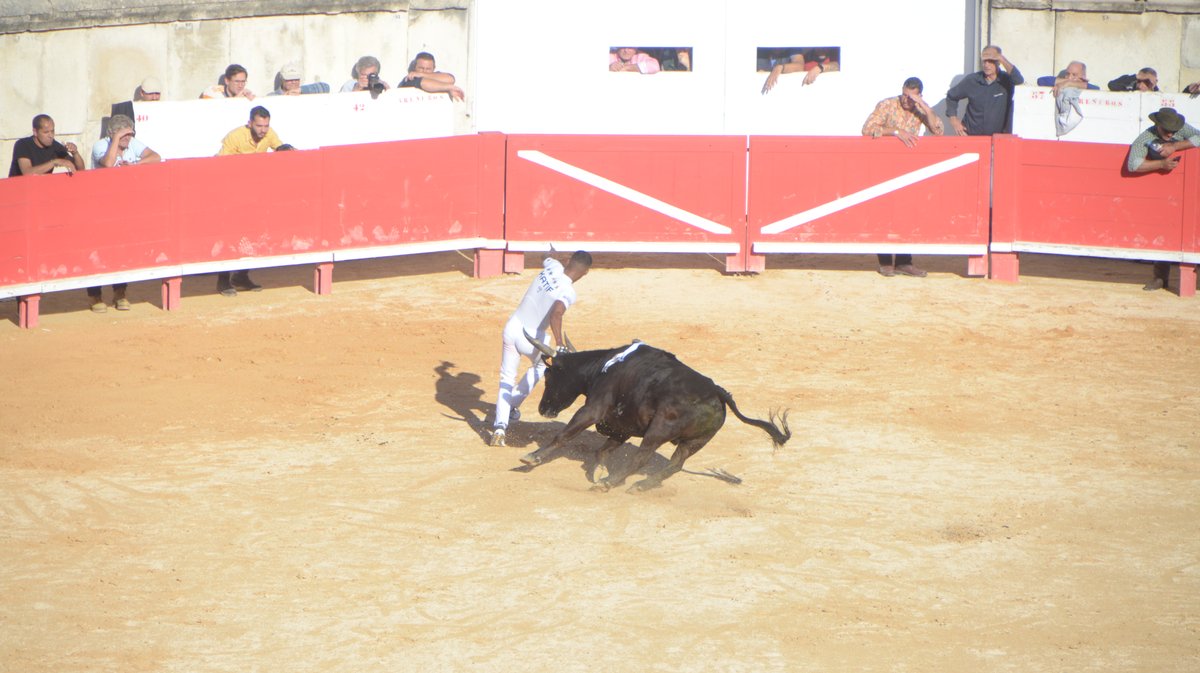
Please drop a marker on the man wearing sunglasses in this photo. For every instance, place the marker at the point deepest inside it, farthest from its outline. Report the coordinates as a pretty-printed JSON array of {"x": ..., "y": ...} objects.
[
  {"x": 1157, "y": 149},
  {"x": 1145, "y": 80}
]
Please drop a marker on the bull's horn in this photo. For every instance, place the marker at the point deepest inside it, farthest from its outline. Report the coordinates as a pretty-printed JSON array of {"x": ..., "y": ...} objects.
[
  {"x": 570, "y": 346},
  {"x": 546, "y": 350}
]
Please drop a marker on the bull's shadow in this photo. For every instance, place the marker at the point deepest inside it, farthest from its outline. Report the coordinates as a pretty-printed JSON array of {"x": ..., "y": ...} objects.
[
  {"x": 583, "y": 449},
  {"x": 461, "y": 393}
]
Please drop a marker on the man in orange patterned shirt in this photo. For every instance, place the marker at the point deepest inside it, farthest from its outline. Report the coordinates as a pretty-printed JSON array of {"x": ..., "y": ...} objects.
[{"x": 902, "y": 116}]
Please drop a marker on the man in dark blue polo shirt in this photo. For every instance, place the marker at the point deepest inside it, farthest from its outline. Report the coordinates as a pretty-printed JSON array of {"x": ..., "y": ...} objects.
[{"x": 989, "y": 95}]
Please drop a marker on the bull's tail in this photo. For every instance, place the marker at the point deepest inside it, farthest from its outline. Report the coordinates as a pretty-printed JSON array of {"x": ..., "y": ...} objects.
[{"x": 779, "y": 433}]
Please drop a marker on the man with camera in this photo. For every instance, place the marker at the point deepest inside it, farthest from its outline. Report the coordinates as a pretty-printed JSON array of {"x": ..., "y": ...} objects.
[
  {"x": 1157, "y": 149},
  {"x": 366, "y": 77}
]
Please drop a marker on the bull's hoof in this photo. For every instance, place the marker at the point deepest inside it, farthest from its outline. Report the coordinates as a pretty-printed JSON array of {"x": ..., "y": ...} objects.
[
  {"x": 601, "y": 486},
  {"x": 599, "y": 473},
  {"x": 643, "y": 486},
  {"x": 532, "y": 459}
]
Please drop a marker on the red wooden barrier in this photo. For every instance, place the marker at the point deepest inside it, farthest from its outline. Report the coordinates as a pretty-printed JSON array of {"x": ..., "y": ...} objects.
[
  {"x": 854, "y": 195},
  {"x": 1078, "y": 199},
  {"x": 504, "y": 195},
  {"x": 627, "y": 193},
  {"x": 196, "y": 216}
]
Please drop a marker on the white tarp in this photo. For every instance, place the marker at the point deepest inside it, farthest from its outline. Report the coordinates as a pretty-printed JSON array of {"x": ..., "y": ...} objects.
[{"x": 195, "y": 128}]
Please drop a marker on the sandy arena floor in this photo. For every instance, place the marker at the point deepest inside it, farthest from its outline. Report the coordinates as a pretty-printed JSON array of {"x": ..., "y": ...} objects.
[{"x": 983, "y": 477}]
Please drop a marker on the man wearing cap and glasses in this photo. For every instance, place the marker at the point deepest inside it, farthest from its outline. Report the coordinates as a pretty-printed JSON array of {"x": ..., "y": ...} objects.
[
  {"x": 1157, "y": 149},
  {"x": 989, "y": 95}
]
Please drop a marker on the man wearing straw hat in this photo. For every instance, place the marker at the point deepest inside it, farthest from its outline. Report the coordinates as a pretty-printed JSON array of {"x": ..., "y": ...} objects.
[{"x": 1157, "y": 149}]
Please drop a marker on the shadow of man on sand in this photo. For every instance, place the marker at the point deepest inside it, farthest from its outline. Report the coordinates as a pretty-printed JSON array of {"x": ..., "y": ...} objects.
[{"x": 462, "y": 394}]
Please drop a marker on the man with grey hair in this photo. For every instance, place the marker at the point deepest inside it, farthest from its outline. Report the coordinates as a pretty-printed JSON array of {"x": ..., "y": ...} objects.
[
  {"x": 989, "y": 95},
  {"x": 1074, "y": 76},
  {"x": 366, "y": 77},
  {"x": 120, "y": 148}
]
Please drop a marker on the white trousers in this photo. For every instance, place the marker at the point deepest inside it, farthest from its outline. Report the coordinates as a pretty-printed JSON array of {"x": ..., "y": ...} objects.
[{"x": 512, "y": 393}]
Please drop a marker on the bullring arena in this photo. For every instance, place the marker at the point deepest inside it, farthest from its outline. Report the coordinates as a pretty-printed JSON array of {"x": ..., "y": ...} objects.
[{"x": 983, "y": 476}]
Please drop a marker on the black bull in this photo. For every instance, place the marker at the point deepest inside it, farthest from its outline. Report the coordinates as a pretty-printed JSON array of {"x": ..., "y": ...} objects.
[{"x": 650, "y": 394}]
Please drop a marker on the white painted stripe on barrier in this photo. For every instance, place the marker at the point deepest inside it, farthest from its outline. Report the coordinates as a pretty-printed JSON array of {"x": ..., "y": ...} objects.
[
  {"x": 623, "y": 246},
  {"x": 627, "y": 193},
  {"x": 872, "y": 192},
  {"x": 1098, "y": 251},
  {"x": 919, "y": 249}
]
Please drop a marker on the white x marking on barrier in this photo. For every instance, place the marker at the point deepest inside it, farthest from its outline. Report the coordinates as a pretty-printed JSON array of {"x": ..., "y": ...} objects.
[
  {"x": 870, "y": 193},
  {"x": 627, "y": 193}
]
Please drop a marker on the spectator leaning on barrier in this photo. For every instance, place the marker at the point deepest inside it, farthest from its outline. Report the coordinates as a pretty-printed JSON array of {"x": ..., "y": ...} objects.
[
  {"x": 629, "y": 59},
  {"x": 1074, "y": 76},
  {"x": 40, "y": 153},
  {"x": 811, "y": 62},
  {"x": 289, "y": 84},
  {"x": 902, "y": 116},
  {"x": 1157, "y": 149},
  {"x": 423, "y": 74},
  {"x": 989, "y": 96},
  {"x": 120, "y": 148},
  {"x": 1193, "y": 88},
  {"x": 1145, "y": 80},
  {"x": 256, "y": 136},
  {"x": 233, "y": 85},
  {"x": 362, "y": 80}
]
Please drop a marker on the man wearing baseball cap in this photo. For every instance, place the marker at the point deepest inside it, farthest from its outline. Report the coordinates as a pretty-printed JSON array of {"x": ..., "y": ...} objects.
[
  {"x": 149, "y": 90},
  {"x": 1157, "y": 149},
  {"x": 288, "y": 83}
]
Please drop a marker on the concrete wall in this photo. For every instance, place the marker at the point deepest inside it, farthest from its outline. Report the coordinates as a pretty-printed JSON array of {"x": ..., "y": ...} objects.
[
  {"x": 1042, "y": 40},
  {"x": 75, "y": 75}
]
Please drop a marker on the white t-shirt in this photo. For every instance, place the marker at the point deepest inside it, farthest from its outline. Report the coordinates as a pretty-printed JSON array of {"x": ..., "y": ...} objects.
[
  {"x": 549, "y": 286},
  {"x": 131, "y": 155}
]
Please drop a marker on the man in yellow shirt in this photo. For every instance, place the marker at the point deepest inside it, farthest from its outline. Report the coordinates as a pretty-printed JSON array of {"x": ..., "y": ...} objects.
[{"x": 256, "y": 136}]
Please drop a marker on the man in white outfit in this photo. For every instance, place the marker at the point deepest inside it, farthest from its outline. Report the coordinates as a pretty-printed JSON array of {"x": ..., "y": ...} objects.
[{"x": 540, "y": 313}]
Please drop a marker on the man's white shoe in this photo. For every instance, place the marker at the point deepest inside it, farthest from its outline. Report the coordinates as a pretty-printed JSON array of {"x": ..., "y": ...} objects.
[{"x": 497, "y": 437}]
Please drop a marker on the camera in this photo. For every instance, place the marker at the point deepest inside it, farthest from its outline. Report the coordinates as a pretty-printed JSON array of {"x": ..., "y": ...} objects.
[{"x": 374, "y": 85}]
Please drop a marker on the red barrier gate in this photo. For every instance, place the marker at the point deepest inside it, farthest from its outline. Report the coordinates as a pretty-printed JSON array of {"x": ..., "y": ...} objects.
[
  {"x": 1078, "y": 199},
  {"x": 627, "y": 193},
  {"x": 844, "y": 195}
]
